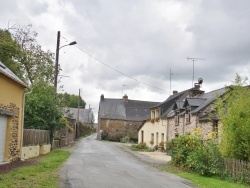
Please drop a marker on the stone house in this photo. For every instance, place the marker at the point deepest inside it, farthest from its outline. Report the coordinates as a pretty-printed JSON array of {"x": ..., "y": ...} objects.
[
  {"x": 11, "y": 115},
  {"x": 154, "y": 129},
  {"x": 192, "y": 113},
  {"x": 120, "y": 118},
  {"x": 85, "y": 118}
]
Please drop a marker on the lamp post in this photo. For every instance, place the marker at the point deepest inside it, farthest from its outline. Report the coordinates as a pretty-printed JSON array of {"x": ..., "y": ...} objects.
[{"x": 57, "y": 56}]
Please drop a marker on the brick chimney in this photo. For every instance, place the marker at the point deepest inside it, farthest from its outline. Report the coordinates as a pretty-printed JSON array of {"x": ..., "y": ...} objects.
[
  {"x": 195, "y": 91},
  {"x": 125, "y": 98},
  {"x": 102, "y": 97},
  {"x": 175, "y": 92}
]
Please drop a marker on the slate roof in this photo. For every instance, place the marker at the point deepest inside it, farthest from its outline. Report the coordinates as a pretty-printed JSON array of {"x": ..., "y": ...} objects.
[
  {"x": 209, "y": 98},
  {"x": 7, "y": 72},
  {"x": 120, "y": 109},
  {"x": 194, "y": 102},
  {"x": 85, "y": 115},
  {"x": 199, "y": 102},
  {"x": 167, "y": 105}
]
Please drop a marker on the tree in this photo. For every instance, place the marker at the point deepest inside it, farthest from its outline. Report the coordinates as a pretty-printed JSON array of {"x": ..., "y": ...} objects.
[
  {"x": 70, "y": 100},
  {"x": 10, "y": 52},
  {"x": 41, "y": 111},
  {"x": 233, "y": 111},
  {"x": 33, "y": 60}
]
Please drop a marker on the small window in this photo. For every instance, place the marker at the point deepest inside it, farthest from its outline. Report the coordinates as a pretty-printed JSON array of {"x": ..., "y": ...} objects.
[
  {"x": 153, "y": 115},
  {"x": 162, "y": 137},
  {"x": 176, "y": 119},
  {"x": 152, "y": 137},
  {"x": 187, "y": 116}
]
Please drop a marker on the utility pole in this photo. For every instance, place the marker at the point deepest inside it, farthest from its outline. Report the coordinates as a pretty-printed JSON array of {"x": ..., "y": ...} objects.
[
  {"x": 57, "y": 58},
  {"x": 78, "y": 114},
  {"x": 194, "y": 59}
]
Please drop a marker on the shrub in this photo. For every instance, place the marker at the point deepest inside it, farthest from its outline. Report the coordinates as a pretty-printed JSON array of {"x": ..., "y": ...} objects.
[
  {"x": 206, "y": 160},
  {"x": 181, "y": 147},
  {"x": 141, "y": 147}
]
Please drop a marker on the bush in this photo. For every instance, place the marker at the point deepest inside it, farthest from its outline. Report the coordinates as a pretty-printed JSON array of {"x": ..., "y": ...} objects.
[
  {"x": 181, "y": 147},
  {"x": 141, "y": 147},
  {"x": 206, "y": 160}
]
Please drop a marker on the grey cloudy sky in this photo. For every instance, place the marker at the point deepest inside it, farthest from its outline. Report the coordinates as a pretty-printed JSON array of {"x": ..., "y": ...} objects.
[{"x": 143, "y": 39}]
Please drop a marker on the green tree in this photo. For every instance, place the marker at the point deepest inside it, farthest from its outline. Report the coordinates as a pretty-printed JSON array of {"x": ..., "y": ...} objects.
[
  {"x": 70, "y": 100},
  {"x": 35, "y": 62},
  {"x": 233, "y": 111},
  {"x": 10, "y": 52},
  {"x": 41, "y": 110}
]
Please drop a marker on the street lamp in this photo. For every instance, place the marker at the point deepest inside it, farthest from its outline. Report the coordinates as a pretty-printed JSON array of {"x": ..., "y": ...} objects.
[{"x": 57, "y": 56}]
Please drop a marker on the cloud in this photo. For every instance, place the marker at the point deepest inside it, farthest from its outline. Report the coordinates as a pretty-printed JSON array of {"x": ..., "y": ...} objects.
[{"x": 142, "y": 39}]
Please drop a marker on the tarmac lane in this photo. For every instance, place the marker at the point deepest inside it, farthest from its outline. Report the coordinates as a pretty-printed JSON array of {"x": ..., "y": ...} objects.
[{"x": 101, "y": 164}]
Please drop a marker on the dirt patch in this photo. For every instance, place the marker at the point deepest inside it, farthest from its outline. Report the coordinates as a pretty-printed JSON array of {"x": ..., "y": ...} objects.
[
  {"x": 156, "y": 159},
  {"x": 7, "y": 167}
]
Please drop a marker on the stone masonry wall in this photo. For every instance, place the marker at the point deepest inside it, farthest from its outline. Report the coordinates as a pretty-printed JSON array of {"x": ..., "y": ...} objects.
[
  {"x": 13, "y": 151},
  {"x": 115, "y": 130}
]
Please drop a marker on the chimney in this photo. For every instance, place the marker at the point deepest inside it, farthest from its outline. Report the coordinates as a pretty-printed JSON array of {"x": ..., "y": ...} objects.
[
  {"x": 195, "y": 91},
  {"x": 175, "y": 92},
  {"x": 125, "y": 98},
  {"x": 102, "y": 97},
  {"x": 197, "y": 86}
]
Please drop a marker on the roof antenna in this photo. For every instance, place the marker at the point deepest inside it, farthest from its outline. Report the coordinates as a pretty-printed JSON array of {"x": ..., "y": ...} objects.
[
  {"x": 171, "y": 74},
  {"x": 122, "y": 88},
  {"x": 194, "y": 59}
]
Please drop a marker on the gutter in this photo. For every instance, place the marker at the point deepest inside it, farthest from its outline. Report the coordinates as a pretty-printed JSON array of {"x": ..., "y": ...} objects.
[{"x": 22, "y": 127}]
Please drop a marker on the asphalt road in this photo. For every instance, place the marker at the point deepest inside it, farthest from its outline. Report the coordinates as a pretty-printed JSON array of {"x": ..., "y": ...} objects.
[{"x": 100, "y": 164}]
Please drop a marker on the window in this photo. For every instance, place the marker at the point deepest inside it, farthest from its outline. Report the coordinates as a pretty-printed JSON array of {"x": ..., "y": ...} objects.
[
  {"x": 215, "y": 127},
  {"x": 177, "y": 118},
  {"x": 152, "y": 139},
  {"x": 162, "y": 137},
  {"x": 153, "y": 115},
  {"x": 187, "y": 115},
  {"x": 176, "y": 135}
]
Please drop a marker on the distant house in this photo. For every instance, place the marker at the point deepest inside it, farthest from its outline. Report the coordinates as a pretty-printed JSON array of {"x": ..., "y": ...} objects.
[
  {"x": 119, "y": 118},
  {"x": 154, "y": 129},
  {"x": 85, "y": 115},
  {"x": 11, "y": 114},
  {"x": 85, "y": 119}
]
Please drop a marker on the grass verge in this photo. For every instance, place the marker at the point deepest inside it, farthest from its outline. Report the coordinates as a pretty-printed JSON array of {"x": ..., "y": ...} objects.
[
  {"x": 205, "y": 182},
  {"x": 43, "y": 174}
]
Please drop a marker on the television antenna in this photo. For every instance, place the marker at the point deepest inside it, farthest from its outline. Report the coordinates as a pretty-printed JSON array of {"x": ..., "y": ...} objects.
[
  {"x": 122, "y": 88},
  {"x": 194, "y": 59},
  {"x": 171, "y": 74}
]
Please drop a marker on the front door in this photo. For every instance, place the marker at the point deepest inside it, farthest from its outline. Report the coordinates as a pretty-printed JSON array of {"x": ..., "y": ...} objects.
[{"x": 3, "y": 127}]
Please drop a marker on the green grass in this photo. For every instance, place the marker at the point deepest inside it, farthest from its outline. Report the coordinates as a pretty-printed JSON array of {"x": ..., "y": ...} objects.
[
  {"x": 205, "y": 182},
  {"x": 42, "y": 174}
]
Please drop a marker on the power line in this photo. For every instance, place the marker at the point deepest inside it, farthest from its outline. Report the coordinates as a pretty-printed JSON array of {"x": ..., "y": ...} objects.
[{"x": 116, "y": 69}]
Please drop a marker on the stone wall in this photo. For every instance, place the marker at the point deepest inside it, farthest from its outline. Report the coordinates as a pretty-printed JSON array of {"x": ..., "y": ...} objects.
[
  {"x": 12, "y": 139},
  {"x": 66, "y": 136},
  {"x": 115, "y": 130},
  {"x": 205, "y": 126}
]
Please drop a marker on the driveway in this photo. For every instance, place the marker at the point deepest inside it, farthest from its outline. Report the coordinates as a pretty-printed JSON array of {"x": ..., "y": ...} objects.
[{"x": 101, "y": 164}]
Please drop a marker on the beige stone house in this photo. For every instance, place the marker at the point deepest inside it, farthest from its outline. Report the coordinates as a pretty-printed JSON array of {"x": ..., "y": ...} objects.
[
  {"x": 120, "y": 118},
  {"x": 154, "y": 129},
  {"x": 11, "y": 115},
  {"x": 192, "y": 113},
  {"x": 180, "y": 114}
]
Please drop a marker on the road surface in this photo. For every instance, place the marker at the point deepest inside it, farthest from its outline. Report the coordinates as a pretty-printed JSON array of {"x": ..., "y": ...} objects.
[{"x": 101, "y": 164}]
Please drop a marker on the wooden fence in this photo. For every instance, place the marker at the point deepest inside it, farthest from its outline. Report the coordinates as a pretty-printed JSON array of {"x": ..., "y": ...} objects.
[
  {"x": 34, "y": 137},
  {"x": 237, "y": 168}
]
